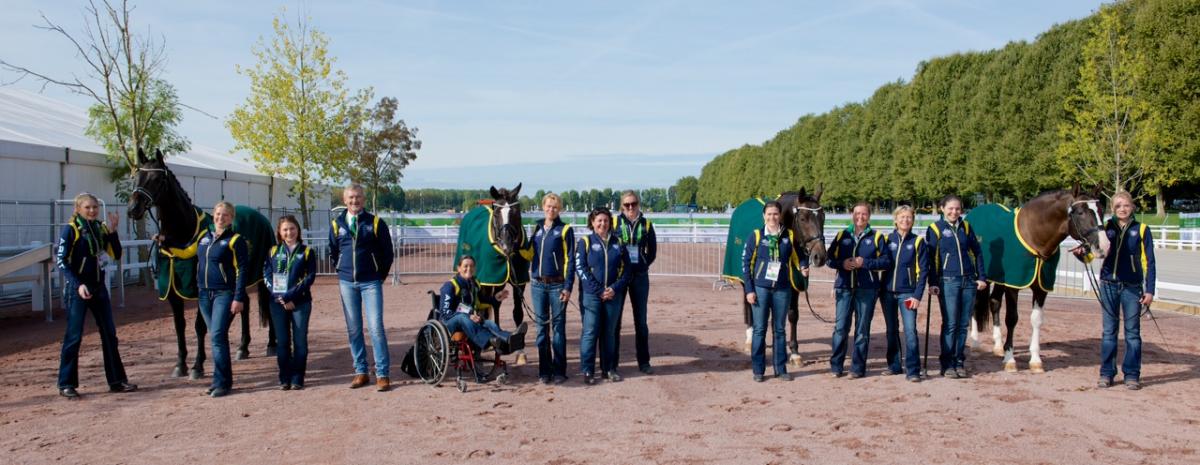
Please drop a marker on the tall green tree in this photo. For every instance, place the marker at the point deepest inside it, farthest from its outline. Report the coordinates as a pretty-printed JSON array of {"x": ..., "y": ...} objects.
[
  {"x": 381, "y": 146},
  {"x": 1111, "y": 134},
  {"x": 295, "y": 120}
]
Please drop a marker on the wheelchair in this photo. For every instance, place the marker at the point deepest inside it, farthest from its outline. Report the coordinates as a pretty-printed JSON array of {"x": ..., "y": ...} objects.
[{"x": 436, "y": 351}]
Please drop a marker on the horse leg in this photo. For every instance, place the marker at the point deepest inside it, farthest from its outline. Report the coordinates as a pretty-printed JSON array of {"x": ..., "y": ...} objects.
[
  {"x": 993, "y": 307},
  {"x": 793, "y": 318},
  {"x": 180, "y": 334},
  {"x": 1035, "y": 319},
  {"x": 749, "y": 320},
  {"x": 201, "y": 328},
  {"x": 243, "y": 351},
  {"x": 518, "y": 314},
  {"x": 1011, "y": 316},
  {"x": 980, "y": 314},
  {"x": 264, "y": 315}
]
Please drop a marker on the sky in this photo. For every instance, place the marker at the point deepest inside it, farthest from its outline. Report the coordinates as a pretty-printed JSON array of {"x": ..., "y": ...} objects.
[{"x": 557, "y": 95}]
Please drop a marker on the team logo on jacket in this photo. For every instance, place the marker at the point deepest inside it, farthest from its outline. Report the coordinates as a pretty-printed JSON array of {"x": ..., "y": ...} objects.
[
  {"x": 597, "y": 247},
  {"x": 893, "y": 247},
  {"x": 847, "y": 241},
  {"x": 206, "y": 240},
  {"x": 947, "y": 233},
  {"x": 1133, "y": 234},
  {"x": 909, "y": 247}
]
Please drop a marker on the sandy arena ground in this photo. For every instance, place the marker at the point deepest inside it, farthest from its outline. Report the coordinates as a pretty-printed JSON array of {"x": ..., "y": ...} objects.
[{"x": 699, "y": 407}]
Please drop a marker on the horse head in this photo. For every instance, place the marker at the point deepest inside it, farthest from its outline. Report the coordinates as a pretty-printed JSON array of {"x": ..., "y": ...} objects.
[
  {"x": 1084, "y": 222},
  {"x": 807, "y": 219},
  {"x": 506, "y": 220},
  {"x": 151, "y": 182}
]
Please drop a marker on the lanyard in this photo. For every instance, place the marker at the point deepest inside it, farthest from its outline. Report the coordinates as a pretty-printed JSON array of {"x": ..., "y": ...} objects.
[
  {"x": 87, "y": 229},
  {"x": 290, "y": 254},
  {"x": 772, "y": 244},
  {"x": 626, "y": 232}
]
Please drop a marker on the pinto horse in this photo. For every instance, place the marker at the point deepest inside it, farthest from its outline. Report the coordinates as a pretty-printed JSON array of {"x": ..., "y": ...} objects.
[
  {"x": 1021, "y": 250},
  {"x": 802, "y": 213},
  {"x": 180, "y": 225}
]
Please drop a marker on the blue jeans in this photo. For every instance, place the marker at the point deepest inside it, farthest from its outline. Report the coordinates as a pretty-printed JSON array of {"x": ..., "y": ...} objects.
[
  {"x": 551, "y": 316},
  {"x": 639, "y": 294},
  {"x": 214, "y": 307},
  {"x": 773, "y": 304},
  {"x": 77, "y": 308},
  {"x": 479, "y": 334},
  {"x": 365, "y": 299},
  {"x": 291, "y": 329},
  {"x": 601, "y": 321},
  {"x": 864, "y": 310},
  {"x": 1122, "y": 298},
  {"x": 957, "y": 302},
  {"x": 893, "y": 305}
]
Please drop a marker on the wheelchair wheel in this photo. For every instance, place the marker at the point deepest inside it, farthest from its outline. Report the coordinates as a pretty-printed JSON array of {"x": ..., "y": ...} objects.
[
  {"x": 489, "y": 365},
  {"x": 431, "y": 353}
]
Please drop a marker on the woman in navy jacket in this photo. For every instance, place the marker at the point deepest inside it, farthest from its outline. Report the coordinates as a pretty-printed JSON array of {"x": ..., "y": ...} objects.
[
  {"x": 956, "y": 274},
  {"x": 289, "y": 272},
  {"x": 79, "y": 248},
  {"x": 859, "y": 255},
  {"x": 553, "y": 275},
  {"x": 903, "y": 287},
  {"x": 603, "y": 268},
  {"x": 767, "y": 266},
  {"x": 457, "y": 309},
  {"x": 222, "y": 273},
  {"x": 1126, "y": 285}
]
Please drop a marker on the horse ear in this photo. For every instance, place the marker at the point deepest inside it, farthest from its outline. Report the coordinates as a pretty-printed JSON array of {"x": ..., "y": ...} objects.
[
  {"x": 802, "y": 193},
  {"x": 158, "y": 154},
  {"x": 1075, "y": 190},
  {"x": 141, "y": 157},
  {"x": 514, "y": 193},
  {"x": 1098, "y": 190},
  {"x": 820, "y": 190},
  {"x": 495, "y": 194}
]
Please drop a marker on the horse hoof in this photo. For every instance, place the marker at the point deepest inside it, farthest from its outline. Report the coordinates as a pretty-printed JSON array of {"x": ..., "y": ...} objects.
[
  {"x": 796, "y": 360},
  {"x": 521, "y": 360},
  {"x": 1010, "y": 366},
  {"x": 195, "y": 373},
  {"x": 178, "y": 372},
  {"x": 242, "y": 354},
  {"x": 1036, "y": 367},
  {"x": 998, "y": 351}
]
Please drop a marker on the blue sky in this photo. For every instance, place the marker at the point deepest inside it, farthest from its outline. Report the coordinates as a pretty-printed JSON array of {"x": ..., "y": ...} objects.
[{"x": 586, "y": 94}]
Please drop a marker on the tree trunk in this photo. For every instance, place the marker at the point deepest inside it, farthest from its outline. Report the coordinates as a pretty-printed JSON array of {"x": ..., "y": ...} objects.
[
  {"x": 304, "y": 206},
  {"x": 1160, "y": 204}
]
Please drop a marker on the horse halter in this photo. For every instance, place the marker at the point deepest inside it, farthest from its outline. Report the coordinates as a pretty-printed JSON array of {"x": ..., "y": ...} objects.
[
  {"x": 820, "y": 236},
  {"x": 1094, "y": 208}
]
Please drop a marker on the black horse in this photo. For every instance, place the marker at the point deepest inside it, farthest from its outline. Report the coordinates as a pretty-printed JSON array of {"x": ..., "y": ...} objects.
[
  {"x": 179, "y": 226},
  {"x": 802, "y": 213},
  {"x": 510, "y": 240},
  {"x": 1043, "y": 224}
]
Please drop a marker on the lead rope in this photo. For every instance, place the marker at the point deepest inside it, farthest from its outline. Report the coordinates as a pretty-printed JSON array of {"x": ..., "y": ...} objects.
[{"x": 1145, "y": 309}]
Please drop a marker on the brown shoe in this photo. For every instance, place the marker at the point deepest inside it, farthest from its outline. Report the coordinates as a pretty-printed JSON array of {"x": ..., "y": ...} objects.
[
  {"x": 383, "y": 384},
  {"x": 360, "y": 380}
]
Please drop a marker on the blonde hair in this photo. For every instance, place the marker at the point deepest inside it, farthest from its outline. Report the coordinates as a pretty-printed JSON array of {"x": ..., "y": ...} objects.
[
  {"x": 552, "y": 196},
  {"x": 82, "y": 197},
  {"x": 870, "y": 210},
  {"x": 1123, "y": 195},
  {"x": 224, "y": 204},
  {"x": 631, "y": 193},
  {"x": 903, "y": 209}
]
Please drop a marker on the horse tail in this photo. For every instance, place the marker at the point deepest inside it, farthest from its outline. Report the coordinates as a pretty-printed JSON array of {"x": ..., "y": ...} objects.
[{"x": 983, "y": 304}]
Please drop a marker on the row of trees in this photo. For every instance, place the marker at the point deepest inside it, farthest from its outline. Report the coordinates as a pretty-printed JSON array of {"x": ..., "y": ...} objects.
[
  {"x": 1109, "y": 99},
  {"x": 395, "y": 198}
]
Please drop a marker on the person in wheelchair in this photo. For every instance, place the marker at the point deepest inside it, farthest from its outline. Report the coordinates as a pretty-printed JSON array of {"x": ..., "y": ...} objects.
[{"x": 457, "y": 310}]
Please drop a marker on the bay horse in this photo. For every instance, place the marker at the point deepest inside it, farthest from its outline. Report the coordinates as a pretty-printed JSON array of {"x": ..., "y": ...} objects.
[
  {"x": 180, "y": 224},
  {"x": 1040, "y": 226},
  {"x": 508, "y": 238},
  {"x": 803, "y": 214}
]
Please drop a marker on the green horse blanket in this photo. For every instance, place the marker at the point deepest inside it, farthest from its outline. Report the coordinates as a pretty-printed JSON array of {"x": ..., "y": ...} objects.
[
  {"x": 177, "y": 267},
  {"x": 747, "y": 217},
  {"x": 1007, "y": 258},
  {"x": 492, "y": 268}
]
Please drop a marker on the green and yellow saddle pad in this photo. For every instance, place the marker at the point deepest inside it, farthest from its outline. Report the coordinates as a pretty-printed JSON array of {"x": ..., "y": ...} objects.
[
  {"x": 747, "y": 217},
  {"x": 492, "y": 268}
]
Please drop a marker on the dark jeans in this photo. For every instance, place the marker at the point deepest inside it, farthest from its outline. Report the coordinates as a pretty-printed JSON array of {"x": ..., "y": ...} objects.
[
  {"x": 863, "y": 301},
  {"x": 552, "y": 326},
  {"x": 601, "y": 321},
  {"x": 291, "y": 328},
  {"x": 638, "y": 292},
  {"x": 773, "y": 304},
  {"x": 957, "y": 302},
  {"x": 215, "y": 308},
  {"x": 1121, "y": 299},
  {"x": 893, "y": 306},
  {"x": 77, "y": 308},
  {"x": 479, "y": 334}
]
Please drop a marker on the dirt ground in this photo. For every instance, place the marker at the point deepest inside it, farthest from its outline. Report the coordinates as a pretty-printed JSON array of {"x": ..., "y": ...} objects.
[{"x": 699, "y": 407}]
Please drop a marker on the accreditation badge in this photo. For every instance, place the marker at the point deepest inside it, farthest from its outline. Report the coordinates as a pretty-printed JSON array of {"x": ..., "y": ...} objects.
[
  {"x": 633, "y": 253},
  {"x": 773, "y": 270},
  {"x": 279, "y": 282},
  {"x": 464, "y": 308}
]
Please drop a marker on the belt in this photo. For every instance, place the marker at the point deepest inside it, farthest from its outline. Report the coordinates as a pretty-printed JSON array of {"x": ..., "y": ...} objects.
[{"x": 550, "y": 279}]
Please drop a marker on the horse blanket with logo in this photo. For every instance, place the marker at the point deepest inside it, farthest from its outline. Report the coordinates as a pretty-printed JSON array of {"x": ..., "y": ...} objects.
[
  {"x": 492, "y": 268},
  {"x": 1007, "y": 258},
  {"x": 177, "y": 266},
  {"x": 747, "y": 217}
]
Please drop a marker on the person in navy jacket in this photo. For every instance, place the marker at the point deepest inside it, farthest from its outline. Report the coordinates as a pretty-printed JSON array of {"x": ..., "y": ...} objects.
[
  {"x": 458, "y": 306},
  {"x": 289, "y": 272},
  {"x": 956, "y": 274},
  {"x": 553, "y": 273},
  {"x": 859, "y": 255},
  {"x": 768, "y": 262},
  {"x": 361, "y": 246},
  {"x": 603, "y": 268},
  {"x": 221, "y": 269},
  {"x": 1127, "y": 278},
  {"x": 903, "y": 288},
  {"x": 78, "y": 257},
  {"x": 641, "y": 245}
]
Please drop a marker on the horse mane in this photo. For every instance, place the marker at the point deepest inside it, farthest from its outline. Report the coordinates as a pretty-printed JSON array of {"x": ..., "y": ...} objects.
[{"x": 178, "y": 186}]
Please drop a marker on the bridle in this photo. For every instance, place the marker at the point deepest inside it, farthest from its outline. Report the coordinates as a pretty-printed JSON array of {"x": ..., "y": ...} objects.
[
  {"x": 805, "y": 241},
  {"x": 1081, "y": 235},
  {"x": 507, "y": 229}
]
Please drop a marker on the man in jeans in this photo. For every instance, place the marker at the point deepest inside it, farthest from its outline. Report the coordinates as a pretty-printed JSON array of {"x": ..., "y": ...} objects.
[{"x": 367, "y": 246}]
